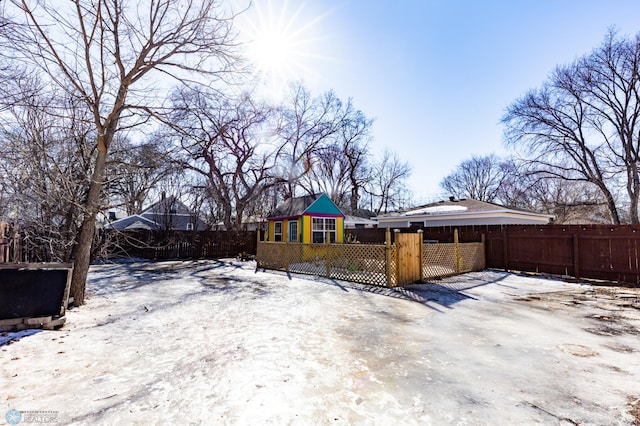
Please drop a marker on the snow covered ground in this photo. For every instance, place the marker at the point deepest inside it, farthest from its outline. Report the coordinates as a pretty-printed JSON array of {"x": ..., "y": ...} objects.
[{"x": 215, "y": 342}]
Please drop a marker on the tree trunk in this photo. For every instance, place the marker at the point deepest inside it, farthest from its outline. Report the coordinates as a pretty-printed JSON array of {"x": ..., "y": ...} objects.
[
  {"x": 634, "y": 191},
  {"x": 611, "y": 204},
  {"x": 354, "y": 196},
  {"x": 82, "y": 259}
]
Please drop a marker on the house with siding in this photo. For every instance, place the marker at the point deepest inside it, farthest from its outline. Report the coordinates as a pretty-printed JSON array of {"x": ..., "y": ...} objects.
[
  {"x": 167, "y": 214},
  {"x": 460, "y": 212}
]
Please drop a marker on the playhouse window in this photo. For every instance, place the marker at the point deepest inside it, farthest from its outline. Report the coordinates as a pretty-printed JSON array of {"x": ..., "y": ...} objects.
[
  {"x": 293, "y": 231},
  {"x": 277, "y": 231},
  {"x": 319, "y": 228}
]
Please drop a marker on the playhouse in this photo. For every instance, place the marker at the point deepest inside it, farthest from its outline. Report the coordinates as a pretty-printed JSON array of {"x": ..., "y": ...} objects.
[{"x": 308, "y": 219}]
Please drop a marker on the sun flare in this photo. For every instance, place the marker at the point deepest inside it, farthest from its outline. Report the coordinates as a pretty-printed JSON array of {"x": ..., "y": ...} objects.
[
  {"x": 282, "y": 42},
  {"x": 273, "y": 51}
]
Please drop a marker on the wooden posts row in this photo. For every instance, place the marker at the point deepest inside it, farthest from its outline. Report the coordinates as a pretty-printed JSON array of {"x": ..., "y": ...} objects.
[
  {"x": 401, "y": 261},
  {"x": 10, "y": 245}
]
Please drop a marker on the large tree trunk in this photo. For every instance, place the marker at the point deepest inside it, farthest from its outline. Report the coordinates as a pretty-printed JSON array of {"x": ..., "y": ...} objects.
[
  {"x": 355, "y": 196},
  {"x": 82, "y": 259},
  {"x": 611, "y": 203},
  {"x": 633, "y": 189}
]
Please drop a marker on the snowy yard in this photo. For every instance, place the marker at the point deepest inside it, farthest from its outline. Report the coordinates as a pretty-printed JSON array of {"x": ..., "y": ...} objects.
[{"x": 210, "y": 342}]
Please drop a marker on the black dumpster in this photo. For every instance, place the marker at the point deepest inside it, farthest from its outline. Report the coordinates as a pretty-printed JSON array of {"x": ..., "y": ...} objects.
[{"x": 34, "y": 290}]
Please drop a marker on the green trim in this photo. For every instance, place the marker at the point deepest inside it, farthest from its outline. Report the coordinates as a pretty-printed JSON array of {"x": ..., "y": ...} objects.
[{"x": 323, "y": 204}]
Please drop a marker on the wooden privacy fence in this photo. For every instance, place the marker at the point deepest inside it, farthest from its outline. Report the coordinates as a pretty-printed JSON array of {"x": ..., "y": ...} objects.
[
  {"x": 405, "y": 261},
  {"x": 603, "y": 252},
  {"x": 164, "y": 245}
]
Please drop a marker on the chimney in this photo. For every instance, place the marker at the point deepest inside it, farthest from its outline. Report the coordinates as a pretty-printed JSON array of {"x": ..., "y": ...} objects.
[{"x": 452, "y": 198}]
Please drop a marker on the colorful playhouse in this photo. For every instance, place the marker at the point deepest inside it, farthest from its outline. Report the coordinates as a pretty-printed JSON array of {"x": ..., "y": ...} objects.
[{"x": 308, "y": 219}]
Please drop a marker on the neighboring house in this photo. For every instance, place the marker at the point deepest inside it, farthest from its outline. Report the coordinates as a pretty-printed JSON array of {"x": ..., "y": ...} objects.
[
  {"x": 357, "y": 222},
  {"x": 307, "y": 219},
  {"x": 253, "y": 223},
  {"x": 459, "y": 213},
  {"x": 168, "y": 213}
]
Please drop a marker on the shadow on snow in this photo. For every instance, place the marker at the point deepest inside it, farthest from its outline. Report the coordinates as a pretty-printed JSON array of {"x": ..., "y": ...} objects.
[{"x": 433, "y": 294}]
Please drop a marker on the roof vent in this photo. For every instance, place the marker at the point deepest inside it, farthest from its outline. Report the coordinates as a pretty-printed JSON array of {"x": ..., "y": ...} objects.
[{"x": 452, "y": 198}]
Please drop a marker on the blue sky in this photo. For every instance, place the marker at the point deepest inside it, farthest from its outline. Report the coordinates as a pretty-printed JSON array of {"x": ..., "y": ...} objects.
[{"x": 437, "y": 75}]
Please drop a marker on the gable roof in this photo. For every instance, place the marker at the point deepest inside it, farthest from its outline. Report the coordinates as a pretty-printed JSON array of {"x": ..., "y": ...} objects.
[
  {"x": 133, "y": 222},
  {"x": 170, "y": 204},
  {"x": 168, "y": 213},
  {"x": 297, "y": 206}
]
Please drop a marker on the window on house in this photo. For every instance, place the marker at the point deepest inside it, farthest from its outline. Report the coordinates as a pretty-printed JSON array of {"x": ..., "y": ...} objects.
[
  {"x": 190, "y": 226},
  {"x": 319, "y": 228},
  {"x": 277, "y": 231},
  {"x": 293, "y": 231},
  {"x": 174, "y": 208}
]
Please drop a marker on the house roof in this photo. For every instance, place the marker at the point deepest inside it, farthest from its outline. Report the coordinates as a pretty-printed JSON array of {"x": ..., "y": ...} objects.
[
  {"x": 314, "y": 203},
  {"x": 168, "y": 213},
  {"x": 454, "y": 208},
  {"x": 349, "y": 219},
  {"x": 170, "y": 204}
]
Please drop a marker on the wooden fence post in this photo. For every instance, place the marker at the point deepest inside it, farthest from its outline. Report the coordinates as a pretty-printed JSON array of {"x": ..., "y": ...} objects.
[
  {"x": 576, "y": 255},
  {"x": 397, "y": 263},
  {"x": 17, "y": 246},
  {"x": 4, "y": 243},
  {"x": 420, "y": 254},
  {"x": 456, "y": 248},
  {"x": 484, "y": 250},
  {"x": 505, "y": 248},
  {"x": 257, "y": 248},
  {"x": 387, "y": 254}
]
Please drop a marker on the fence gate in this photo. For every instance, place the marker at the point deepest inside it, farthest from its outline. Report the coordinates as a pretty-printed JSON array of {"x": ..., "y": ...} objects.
[{"x": 409, "y": 263}]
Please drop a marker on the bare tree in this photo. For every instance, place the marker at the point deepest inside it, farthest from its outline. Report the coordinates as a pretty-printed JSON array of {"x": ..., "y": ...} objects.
[
  {"x": 306, "y": 124},
  {"x": 387, "y": 188},
  {"x": 48, "y": 154},
  {"x": 329, "y": 174},
  {"x": 225, "y": 141},
  {"x": 340, "y": 165},
  {"x": 480, "y": 178},
  {"x": 504, "y": 181},
  {"x": 106, "y": 54},
  {"x": 584, "y": 124},
  {"x": 355, "y": 139},
  {"x": 568, "y": 201},
  {"x": 136, "y": 170}
]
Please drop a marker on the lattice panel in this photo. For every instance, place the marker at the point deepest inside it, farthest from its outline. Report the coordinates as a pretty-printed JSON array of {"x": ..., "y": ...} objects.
[
  {"x": 471, "y": 257},
  {"x": 309, "y": 259},
  {"x": 367, "y": 263},
  {"x": 392, "y": 265},
  {"x": 438, "y": 260},
  {"x": 362, "y": 263},
  {"x": 271, "y": 255}
]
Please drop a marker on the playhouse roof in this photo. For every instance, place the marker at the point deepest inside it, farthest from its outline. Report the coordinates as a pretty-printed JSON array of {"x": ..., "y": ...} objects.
[{"x": 298, "y": 206}]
